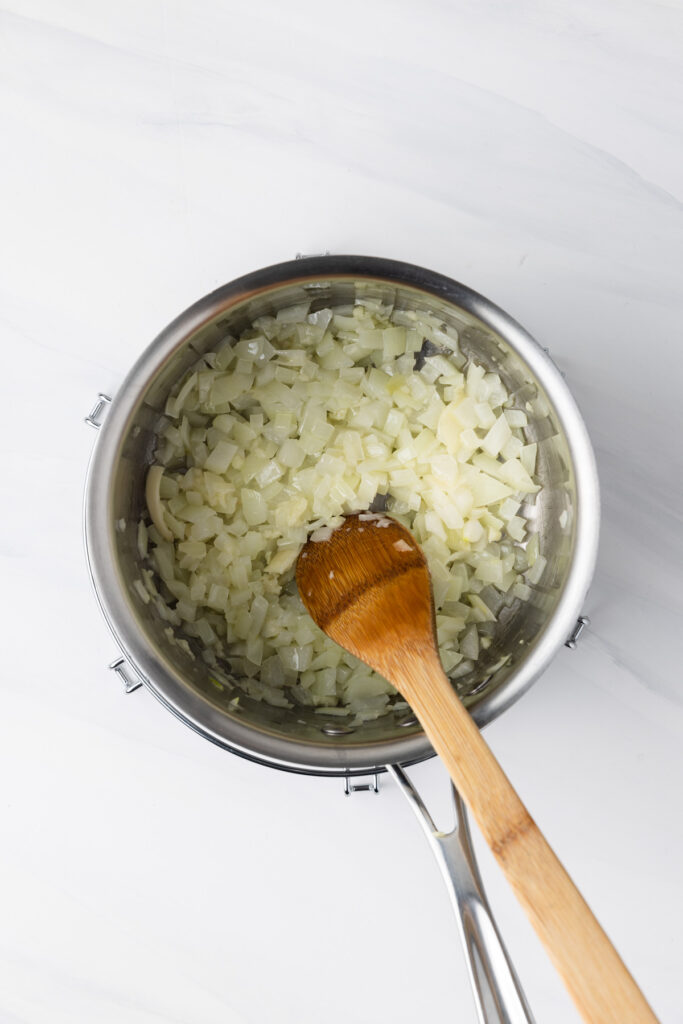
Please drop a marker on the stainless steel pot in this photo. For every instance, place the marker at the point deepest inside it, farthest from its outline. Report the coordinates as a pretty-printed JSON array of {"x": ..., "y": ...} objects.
[
  {"x": 565, "y": 514},
  {"x": 531, "y": 632}
]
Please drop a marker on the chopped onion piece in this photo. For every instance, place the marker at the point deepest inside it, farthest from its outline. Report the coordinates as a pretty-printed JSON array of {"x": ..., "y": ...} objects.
[
  {"x": 153, "y": 499},
  {"x": 497, "y": 437},
  {"x": 516, "y": 417},
  {"x": 469, "y": 645},
  {"x": 534, "y": 574}
]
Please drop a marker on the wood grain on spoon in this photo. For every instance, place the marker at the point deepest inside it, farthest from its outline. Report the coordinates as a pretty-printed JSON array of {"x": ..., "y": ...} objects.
[{"x": 368, "y": 587}]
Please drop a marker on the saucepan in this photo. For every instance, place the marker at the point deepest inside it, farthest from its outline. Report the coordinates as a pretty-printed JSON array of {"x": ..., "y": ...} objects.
[{"x": 525, "y": 637}]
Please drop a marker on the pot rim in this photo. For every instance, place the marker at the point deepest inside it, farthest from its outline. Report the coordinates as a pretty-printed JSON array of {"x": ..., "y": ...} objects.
[{"x": 158, "y": 674}]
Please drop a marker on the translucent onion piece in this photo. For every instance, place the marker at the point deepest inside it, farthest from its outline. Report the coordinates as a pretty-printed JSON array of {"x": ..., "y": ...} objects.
[{"x": 153, "y": 499}]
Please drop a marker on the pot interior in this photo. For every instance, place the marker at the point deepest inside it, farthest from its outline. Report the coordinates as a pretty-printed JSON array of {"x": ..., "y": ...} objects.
[{"x": 519, "y": 626}]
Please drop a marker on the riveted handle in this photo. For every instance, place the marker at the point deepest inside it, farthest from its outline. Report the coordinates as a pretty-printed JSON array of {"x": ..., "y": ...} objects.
[
  {"x": 94, "y": 417},
  {"x": 126, "y": 674}
]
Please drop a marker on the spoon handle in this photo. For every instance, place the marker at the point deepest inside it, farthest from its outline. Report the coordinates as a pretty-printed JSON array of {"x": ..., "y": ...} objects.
[{"x": 594, "y": 974}]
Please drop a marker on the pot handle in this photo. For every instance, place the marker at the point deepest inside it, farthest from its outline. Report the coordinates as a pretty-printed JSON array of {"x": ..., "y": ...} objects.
[{"x": 497, "y": 992}]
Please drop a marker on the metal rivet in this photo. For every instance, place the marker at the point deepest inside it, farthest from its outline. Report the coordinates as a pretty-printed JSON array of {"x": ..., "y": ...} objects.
[
  {"x": 332, "y": 729},
  {"x": 405, "y": 723},
  {"x": 479, "y": 687}
]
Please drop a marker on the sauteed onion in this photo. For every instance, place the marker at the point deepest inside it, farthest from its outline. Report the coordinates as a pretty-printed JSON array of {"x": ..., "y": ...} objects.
[{"x": 279, "y": 433}]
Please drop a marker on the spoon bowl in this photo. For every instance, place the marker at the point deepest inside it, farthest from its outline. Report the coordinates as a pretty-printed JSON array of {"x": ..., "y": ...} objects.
[{"x": 369, "y": 569}]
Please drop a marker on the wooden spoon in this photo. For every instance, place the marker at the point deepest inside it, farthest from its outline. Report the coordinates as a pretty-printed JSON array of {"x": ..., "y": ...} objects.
[{"x": 368, "y": 587}]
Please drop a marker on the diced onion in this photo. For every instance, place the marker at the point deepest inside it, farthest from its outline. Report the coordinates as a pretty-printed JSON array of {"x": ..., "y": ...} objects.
[{"x": 275, "y": 436}]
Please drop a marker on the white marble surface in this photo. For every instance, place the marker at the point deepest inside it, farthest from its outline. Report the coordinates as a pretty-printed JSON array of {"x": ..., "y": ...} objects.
[{"x": 153, "y": 150}]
